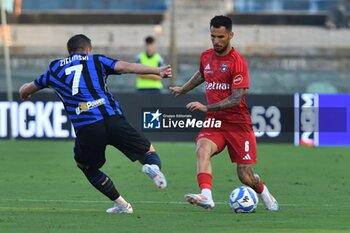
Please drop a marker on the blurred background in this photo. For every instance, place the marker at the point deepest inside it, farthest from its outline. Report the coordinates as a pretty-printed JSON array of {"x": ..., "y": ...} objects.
[{"x": 291, "y": 46}]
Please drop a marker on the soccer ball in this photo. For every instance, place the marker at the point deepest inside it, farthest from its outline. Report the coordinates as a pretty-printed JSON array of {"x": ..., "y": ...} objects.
[{"x": 243, "y": 200}]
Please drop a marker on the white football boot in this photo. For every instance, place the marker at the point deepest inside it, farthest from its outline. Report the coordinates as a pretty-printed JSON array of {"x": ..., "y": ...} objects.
[
  {"x": 117, "y": 209},
  {"x": 155, "y": 174},
  {"x": 270, "y": 202},
  {"x": 199, "y": 200}
]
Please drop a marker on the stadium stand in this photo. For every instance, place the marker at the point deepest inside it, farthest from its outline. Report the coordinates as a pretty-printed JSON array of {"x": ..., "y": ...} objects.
[
  {"x": 83, "y": 5},
  {"x": 276, "y": 6},
  {"x": 293, "y": 56},
  {"x": 283, "y": 12},
  {"x": 91, "y": 12}
]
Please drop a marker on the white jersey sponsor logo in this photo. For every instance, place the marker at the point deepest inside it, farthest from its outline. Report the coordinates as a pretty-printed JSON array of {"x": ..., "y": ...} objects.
[{"x": 217, "y": 86}]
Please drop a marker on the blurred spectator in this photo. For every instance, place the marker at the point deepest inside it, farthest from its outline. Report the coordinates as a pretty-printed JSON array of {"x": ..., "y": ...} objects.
[
  {"x": 150, "y": 82},
  {"x": 18, "y": 7},
  {"x": 338, "y": 16}
]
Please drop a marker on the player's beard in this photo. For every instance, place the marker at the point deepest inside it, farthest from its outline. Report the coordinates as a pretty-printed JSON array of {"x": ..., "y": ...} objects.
[{"x": 221, "y": 50}]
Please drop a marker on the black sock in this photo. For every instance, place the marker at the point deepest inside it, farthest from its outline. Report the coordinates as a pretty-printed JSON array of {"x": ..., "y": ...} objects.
[
  {"x": 101, "y": 182},
  {"x": 152, "y": 158}
]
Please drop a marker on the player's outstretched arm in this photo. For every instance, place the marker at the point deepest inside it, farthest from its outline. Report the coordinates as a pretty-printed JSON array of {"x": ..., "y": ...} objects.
[
  {"x": 135, "y": 68},
  {"x": 26, "y": 90},
  {"x": 194, "y": 81},
  {"x": 150, "y": 76}
]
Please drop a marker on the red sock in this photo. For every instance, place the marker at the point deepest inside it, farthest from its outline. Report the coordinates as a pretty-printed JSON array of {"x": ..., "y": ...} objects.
[
  {"x": 204, "y": 180},
  {"x": 261, "y": 187}
]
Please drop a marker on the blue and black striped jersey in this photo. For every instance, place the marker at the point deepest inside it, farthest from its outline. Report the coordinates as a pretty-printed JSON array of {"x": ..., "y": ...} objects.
[{"x": 80, "y": 81}]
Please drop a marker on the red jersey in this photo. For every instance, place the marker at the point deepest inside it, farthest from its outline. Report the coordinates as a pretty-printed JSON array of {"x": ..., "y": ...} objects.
[{"x": 222, "y": 74}]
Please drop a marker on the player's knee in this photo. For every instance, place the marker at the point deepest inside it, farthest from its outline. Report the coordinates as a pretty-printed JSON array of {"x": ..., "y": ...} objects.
[
  {"x": 82, "y": 166},
  {"x": 88, "y": 171},
  {"x": 205, "y": 149},
  {"x": 203, "y": 153},
  {"x": 85, "y": 168}
]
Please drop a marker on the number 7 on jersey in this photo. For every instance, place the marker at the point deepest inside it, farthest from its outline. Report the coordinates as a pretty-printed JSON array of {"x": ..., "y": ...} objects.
[{"x": 77, "y": 69}]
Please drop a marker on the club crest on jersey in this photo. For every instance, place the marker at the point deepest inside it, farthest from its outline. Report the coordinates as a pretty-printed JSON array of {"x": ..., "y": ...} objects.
[
  {"x": 238, "y": 79},
  {"x": 224, "y": 68}
]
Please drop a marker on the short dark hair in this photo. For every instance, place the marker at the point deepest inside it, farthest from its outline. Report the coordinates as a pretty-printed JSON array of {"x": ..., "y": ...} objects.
[
  {"x": 149, "y": 40},
  {"x": 221, "y": 21},
  {"x": 78, "y": 43}
]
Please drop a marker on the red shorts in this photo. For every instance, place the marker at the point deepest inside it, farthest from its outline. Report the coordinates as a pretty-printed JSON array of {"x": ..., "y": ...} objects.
[{"x": 239, "y": 139}]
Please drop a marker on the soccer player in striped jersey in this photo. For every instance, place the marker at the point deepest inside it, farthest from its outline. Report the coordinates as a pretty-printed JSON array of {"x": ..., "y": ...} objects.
[
  {"x": 80, "y": 80},
  {"x": 225, "y": 73}
]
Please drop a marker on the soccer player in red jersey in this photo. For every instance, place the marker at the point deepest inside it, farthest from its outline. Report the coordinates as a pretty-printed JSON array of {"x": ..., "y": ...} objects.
[{"x": 225, "y": 73}]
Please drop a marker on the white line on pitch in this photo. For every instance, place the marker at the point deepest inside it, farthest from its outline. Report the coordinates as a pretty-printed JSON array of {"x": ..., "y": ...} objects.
[{"x": 155, "y": 202}]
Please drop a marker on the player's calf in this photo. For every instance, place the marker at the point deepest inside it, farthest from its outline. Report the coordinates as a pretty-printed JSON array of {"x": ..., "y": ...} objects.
[
  {"x": 151, "y": 158},
  {"x": 100, "y": 181}
]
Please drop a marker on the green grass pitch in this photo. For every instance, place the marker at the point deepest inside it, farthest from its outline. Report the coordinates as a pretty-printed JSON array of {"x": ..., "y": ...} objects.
[{"x": 41, "y": 190}]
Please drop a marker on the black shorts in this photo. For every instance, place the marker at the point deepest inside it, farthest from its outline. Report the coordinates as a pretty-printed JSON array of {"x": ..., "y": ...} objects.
[{"x": 91, "y": 141}]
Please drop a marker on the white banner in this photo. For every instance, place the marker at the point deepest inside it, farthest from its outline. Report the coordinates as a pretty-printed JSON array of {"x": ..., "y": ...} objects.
[{"x": 34, "y": 120}]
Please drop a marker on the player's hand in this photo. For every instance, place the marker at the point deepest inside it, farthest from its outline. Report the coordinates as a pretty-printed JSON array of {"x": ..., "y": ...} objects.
[
  {"x": 176, "y": 91},
  {"x": 165, "y": 72},
  {"x": 193, "y": 106},
  {"x": 22, "y": 94},
  {"x": 26, "y": 90}
]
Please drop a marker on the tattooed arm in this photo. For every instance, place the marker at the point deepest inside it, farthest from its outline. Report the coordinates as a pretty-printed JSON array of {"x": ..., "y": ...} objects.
[
  {"x": 233, "y": 100},
  {"x": 195, "y": 80}
]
